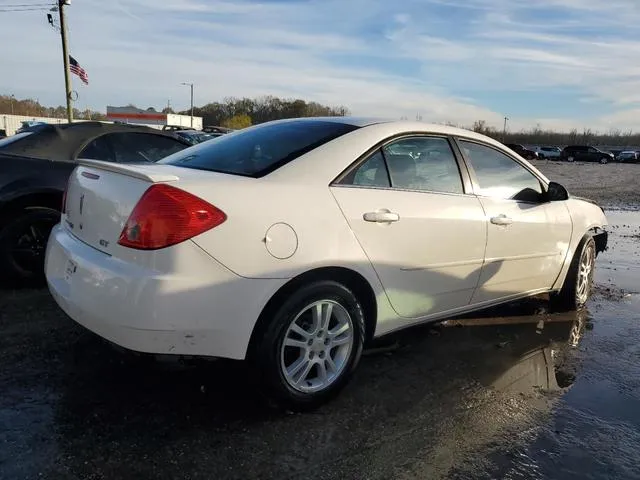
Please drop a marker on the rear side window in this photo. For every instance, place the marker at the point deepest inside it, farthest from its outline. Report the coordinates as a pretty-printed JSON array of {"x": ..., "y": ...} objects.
[
  {"x": 98, "y": 149},
  {"x": 428, "y": 165},
  {"x": 134, "y": 147},
  {"x": 257, "y": 151},
  {"x": 372, "y": 173}
]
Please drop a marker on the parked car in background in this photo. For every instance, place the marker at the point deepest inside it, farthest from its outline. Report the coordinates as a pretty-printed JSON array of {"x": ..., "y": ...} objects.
[
  {"x": 549, "y": 152},
  {"x": 522, "y": 151},
  {"x": 176, "y": 128},
  {"x": 34, "y": 169},
  {"x": 343, "y": 240},
  {"x": 194, "y": 137},
  {"x": 628, "y": 156},
  {"x": 585, "y": 153},
  {"x": 29, "y": 124},
  {"x": 217, "y": 129}
]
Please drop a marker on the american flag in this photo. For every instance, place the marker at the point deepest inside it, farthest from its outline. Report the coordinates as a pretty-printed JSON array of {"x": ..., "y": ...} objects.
[{"x": 75, "y": 67}]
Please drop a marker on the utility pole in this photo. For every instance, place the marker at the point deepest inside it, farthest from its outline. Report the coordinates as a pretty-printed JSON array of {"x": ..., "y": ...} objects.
[
  {"x": 65, "y": 54},
  {"x": 191, "y": 85},
  {"x": 504, "y": 130}
]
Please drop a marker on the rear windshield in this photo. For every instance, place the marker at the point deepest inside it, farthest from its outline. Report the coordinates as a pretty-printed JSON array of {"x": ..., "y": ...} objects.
[{"x": 259, "y": 150}]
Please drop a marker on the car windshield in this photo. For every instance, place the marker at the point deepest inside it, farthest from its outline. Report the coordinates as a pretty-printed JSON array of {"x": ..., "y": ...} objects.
[{"x": 259, "y": 150}]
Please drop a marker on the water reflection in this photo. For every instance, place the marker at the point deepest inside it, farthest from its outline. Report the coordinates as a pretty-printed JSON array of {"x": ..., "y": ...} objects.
[
  {"x": 433, "y": 386},
  {"x": 538, "y": 346}
]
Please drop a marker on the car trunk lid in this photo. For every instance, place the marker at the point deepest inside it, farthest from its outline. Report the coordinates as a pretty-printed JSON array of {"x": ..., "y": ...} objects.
[{"x": 100, "y": 197}]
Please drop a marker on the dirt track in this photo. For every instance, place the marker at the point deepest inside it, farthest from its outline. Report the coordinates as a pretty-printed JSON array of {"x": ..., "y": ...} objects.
[{"x": 614, "y": 185}]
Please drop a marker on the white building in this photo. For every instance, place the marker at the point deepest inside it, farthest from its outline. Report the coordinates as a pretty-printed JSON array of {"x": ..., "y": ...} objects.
[
  {"x": 150, "y": 118},
  {"x": 10, "y": 123}
]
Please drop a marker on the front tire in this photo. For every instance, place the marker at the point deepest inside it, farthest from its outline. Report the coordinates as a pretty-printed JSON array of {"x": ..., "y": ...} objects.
[
  {"x": 23, "y": 241},
  {"x": 311, "y": 346},
  {"x": 578, "y": 284},
  {"x": 604, "y": 160}
]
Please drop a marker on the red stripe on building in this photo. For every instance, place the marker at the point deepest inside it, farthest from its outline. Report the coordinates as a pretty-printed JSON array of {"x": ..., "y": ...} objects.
[{"x": 139, "y": 116}]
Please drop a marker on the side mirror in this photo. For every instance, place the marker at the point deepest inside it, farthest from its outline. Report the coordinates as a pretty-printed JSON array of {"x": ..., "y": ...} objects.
[{"x": 556, "y": 193}]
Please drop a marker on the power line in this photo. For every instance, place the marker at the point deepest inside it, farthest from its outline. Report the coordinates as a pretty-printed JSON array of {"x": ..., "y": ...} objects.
[{"x": 40, "y": 9}]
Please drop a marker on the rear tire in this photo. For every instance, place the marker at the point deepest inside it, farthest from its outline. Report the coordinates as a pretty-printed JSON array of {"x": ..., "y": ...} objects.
[
  {"x": 578, "y": 284},
  {"x": 570, "y": 159},
  {"x": 310, "y": 347},
  {"x": 23, "y": 241}
]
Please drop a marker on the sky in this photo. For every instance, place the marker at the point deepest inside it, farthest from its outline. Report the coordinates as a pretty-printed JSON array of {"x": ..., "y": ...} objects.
[{"x": 556, "y": 64}]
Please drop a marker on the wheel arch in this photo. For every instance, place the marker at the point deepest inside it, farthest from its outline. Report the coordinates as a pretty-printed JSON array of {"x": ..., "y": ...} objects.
[
  {"x": 600, "y": 237},
  {"x": 357, "y": 283},
  {"x": 42, "y": 198}
]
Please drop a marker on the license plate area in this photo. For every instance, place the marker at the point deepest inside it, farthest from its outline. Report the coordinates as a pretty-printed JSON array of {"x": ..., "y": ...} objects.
[{"x": 70, "y": 270}]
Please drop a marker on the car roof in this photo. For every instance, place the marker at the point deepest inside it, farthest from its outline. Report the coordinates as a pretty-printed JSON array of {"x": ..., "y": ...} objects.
[
  {"x": 346, "y": 120},
  {"x": 62, "y": 142},
  {"x": 396, "y": 125},
  {"x": 356, "y": 143}
]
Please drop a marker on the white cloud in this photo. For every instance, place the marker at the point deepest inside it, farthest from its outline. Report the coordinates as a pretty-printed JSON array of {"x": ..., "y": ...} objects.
[{"x": 338, "y": 52}]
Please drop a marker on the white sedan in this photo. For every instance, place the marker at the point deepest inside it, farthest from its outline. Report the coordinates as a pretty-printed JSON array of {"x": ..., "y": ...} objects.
[{"x": 291, "y": 244}]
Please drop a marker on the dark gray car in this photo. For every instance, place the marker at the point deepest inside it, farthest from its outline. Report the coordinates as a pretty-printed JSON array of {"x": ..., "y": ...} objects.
[{"x": 585, "y": 153}]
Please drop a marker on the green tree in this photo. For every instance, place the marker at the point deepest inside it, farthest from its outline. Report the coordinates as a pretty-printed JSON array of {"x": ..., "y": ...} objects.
[{"x": 237, "y": 122}]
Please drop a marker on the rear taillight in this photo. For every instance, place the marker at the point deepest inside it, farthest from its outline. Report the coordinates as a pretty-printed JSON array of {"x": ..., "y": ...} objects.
[{"x": 165, "y": 216}]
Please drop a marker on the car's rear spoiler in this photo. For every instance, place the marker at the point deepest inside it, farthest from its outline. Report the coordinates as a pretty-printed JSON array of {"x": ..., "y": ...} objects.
[{"x": 147, "y": 173}]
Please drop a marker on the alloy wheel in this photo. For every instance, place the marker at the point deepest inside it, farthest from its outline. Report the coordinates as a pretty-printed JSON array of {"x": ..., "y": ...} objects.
[
  {"x": 27, "y": 248},
  {"x": 316, "y": 346},
  {"x": 585, "y": 273}
]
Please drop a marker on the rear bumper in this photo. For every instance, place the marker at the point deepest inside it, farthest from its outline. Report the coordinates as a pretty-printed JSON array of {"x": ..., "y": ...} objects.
[{"x": 198, "y": 308}]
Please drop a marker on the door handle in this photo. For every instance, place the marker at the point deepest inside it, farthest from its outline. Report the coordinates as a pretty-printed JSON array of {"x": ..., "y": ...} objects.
[
  {"x": 381, "y": 216},
  {"x": 501, "y": 219}
]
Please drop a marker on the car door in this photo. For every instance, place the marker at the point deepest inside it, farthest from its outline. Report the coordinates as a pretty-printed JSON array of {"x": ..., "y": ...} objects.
[
  {"x": 583, "y": 154},
  {"x": 528, "y": 237},
  {"x": 422, "y": 230},
  {"x": 595, "y": 155}
]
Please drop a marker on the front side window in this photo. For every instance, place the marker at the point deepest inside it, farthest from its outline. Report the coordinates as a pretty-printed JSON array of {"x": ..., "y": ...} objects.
[
  {"x": 423, "y": 163},
  {"x": 500, "y": 176},
  {"x": 256, "y": 151}
]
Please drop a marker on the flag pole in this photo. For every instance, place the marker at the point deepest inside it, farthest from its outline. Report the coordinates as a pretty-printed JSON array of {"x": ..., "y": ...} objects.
[{"x": 65, "y": 54}]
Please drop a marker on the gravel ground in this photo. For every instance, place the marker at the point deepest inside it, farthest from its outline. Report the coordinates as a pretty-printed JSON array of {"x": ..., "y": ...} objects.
[
  {"x": 614, "y": 185},
  {"x": 517, "y": 392}
]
